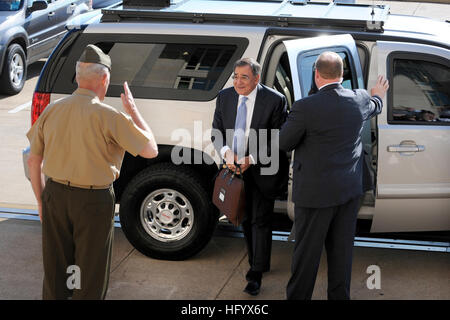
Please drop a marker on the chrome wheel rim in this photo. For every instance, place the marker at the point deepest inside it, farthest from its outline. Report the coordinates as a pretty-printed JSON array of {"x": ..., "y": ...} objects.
[
  {"x": 16, "y": 70},
  {"x": 167, "y": 215}
]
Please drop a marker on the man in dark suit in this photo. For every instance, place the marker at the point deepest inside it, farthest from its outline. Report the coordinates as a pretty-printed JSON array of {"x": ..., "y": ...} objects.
[
  {"x": 325, "y": 131},
  {"x": 243, "y": 119}
]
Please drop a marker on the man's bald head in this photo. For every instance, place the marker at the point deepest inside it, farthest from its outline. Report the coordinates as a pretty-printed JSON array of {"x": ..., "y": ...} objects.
[{"x": 329, "y": 65}]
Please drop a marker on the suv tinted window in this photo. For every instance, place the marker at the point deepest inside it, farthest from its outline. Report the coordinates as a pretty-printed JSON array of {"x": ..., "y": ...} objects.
[
  {"x": 10, "y": 5},
  {"x": 160, "y": 67},
  {"x": 420, "y": 91},
  {"x": 306, "y": 65},
  {"x": 177, "y": 66}
]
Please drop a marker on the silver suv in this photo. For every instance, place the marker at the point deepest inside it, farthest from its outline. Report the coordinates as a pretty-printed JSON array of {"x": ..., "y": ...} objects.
[
  {"x": 29, "y": 31},
  {"x": 176, "y": 59}
]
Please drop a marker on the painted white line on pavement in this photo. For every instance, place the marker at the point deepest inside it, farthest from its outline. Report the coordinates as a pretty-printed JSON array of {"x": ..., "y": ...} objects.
[{"x": 21, "y": 107}]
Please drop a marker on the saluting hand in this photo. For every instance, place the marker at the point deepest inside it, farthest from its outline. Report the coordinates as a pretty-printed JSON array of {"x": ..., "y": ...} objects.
[
  {"x": 127, "y": 100},
  {"x": 380, "y": 88}
]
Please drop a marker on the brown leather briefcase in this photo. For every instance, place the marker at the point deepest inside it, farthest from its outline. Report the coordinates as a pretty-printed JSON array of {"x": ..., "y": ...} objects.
[{"x": 229, "y": 195}]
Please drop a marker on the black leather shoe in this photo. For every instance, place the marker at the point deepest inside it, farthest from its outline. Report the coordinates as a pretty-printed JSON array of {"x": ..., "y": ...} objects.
[
  {"x": 248, "y": 276},
  {"x": 253, "y": 287},
  {"x": 253, "y": 275}
]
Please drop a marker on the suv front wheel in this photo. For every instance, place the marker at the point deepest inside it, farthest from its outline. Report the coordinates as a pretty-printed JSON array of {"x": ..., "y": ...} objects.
[
  {"x": 166, "y": 212},
  {"x": 14, "y": 70}
]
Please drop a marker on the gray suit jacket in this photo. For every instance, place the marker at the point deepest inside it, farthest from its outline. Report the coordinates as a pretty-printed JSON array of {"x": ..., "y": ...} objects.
[{"x": 325, "y": 131}]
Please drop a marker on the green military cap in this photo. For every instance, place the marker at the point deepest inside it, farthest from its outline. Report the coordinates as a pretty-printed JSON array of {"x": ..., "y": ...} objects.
[{"x": 93, "y": 54}]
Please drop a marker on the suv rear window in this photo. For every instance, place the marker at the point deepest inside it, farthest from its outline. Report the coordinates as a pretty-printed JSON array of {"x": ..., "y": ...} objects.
[
  {"x": 175, "y": 66},
  {"x": 174, "y": 69}
]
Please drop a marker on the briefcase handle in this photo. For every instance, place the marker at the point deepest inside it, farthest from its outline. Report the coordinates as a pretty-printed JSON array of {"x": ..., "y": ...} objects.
[{"x": 238, "y": 166}]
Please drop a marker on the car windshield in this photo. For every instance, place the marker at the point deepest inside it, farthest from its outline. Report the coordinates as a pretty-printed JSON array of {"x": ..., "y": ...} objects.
[{"x": 10, "y": 5}]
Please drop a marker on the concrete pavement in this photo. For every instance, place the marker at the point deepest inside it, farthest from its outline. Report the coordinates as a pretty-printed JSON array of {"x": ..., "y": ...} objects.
[{"x": 218, "y": 272}]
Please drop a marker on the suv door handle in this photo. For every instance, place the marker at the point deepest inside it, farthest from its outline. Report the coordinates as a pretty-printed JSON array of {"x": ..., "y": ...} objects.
[
  {"x": 406, "y": 147},
  {"x": 51, "y": 14}
]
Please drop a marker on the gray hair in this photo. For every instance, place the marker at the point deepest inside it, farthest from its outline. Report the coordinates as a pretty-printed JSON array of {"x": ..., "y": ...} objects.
[
  {"x": 90, "y": 71},
  {"x": 252, "y": 63}
]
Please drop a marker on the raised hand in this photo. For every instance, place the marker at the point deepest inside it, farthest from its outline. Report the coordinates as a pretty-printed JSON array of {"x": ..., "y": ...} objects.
[
  {"x": 127, "y": 99},
  {"x": 380, "y": 88}
]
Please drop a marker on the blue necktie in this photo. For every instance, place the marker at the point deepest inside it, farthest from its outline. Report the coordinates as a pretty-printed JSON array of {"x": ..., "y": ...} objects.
[{"x": 239, "y": 129}]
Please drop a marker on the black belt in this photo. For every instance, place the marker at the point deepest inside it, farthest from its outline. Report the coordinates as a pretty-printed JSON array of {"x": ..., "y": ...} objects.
[{"x": 71, "y": 184}]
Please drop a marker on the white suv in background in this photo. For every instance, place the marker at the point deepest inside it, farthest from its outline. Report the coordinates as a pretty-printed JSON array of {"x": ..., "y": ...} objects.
[{"x": 176, "y": 60}]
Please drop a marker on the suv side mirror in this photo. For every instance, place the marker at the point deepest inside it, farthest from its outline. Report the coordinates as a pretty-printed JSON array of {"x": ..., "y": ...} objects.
[{"x": 38, "y": 5}]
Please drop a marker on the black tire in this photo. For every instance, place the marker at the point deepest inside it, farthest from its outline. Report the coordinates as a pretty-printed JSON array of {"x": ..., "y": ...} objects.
[
  {"x": 13, "y": 80},
  {"x": 197, "y": 216}
]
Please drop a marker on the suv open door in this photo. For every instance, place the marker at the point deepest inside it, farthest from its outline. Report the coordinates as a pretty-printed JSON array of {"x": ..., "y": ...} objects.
[
  {"x": 302, "y": 54},
  {"x": 413, "y": 176}
]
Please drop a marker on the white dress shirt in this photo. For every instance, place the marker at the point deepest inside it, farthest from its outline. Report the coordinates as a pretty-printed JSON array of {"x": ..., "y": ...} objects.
[
  {"x": 329, "y": 84},
  {"x": 250, "y": 103}
]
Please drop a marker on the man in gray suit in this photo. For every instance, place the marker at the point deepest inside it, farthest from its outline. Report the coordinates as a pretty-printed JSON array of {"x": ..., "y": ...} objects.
[{"x": 325, "y": 131}]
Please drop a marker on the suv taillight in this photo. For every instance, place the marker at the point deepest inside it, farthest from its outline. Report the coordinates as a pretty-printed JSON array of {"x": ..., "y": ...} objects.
[{"x": 40, "y": 101}]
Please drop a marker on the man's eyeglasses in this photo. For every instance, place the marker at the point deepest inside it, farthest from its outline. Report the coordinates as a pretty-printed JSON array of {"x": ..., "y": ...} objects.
[{"x": 244, "y": 77}]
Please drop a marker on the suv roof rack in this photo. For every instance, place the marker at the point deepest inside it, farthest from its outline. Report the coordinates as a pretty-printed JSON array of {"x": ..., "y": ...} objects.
[
  {"x": 287, "y": 13},
  {"x": 147, "y": 3}
]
